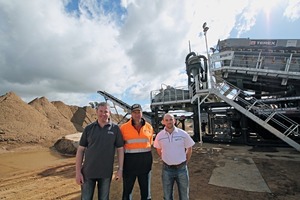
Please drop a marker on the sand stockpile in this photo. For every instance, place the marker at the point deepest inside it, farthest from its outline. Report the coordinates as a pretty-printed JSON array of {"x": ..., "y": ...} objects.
[{"x": 39, "y": 121}]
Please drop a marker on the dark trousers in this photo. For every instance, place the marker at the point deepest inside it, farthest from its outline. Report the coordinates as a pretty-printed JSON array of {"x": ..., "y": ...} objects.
[{"x": 144, "y": 181}]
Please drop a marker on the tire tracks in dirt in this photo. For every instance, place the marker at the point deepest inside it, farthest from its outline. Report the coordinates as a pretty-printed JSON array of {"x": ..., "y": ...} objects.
[{"x": 54, "y": 182}]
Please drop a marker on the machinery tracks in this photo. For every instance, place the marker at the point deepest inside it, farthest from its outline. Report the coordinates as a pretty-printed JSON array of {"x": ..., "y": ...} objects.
[{"x": 54, "y": 182}]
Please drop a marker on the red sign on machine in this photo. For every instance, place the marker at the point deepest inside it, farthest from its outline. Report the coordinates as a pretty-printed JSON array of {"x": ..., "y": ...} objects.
[{"x": 263, "y": 42}]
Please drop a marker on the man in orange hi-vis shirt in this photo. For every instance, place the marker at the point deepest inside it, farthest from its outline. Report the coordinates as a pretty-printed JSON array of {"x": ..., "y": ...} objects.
[{"x": 138, "y": 138}]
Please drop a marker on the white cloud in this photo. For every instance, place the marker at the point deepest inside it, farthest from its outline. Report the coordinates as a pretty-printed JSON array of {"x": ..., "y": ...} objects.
[
  {"x": 292, "y": 11},
  {"x": 51, "y": 50}
]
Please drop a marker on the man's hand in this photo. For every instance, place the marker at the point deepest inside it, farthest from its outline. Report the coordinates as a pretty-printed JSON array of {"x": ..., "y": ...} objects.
[
  {"x": 79, "y": 178},
  {"x": 119, "y": 175}
]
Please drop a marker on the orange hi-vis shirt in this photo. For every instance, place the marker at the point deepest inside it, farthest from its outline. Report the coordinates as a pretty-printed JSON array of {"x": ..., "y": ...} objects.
[{"x": 137, "y": 142}]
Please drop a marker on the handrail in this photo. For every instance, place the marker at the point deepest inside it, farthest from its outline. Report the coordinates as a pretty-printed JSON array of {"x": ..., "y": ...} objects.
[{"x": 258, "y": 108}]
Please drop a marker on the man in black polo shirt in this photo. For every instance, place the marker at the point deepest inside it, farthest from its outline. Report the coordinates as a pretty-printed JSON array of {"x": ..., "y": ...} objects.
[{"x": 95, "y": 155}]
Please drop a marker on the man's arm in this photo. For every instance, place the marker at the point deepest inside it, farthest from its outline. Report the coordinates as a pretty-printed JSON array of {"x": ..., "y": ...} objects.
[
  {"x": 79, "y": 159},
  {"x": 158, "y": 152},
  {"x": 188, "y": 153},
  {"x": 120, "y": 154}
]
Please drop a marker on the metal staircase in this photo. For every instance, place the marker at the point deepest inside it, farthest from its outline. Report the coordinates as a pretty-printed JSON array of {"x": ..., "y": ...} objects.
[{"x": 263, "y": 114}]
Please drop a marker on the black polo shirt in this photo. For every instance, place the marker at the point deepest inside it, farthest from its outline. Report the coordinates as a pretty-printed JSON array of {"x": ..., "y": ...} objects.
[{"x": 100, "y": 144}]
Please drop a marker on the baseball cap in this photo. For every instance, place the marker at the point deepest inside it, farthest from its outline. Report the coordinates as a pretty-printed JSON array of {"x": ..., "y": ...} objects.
[{"x": 136, "y": 107}]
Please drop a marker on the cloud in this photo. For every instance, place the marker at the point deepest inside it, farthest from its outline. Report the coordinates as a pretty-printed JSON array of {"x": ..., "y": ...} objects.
[
  {"x": 50, "y": 50},
  {"x": 292, "y": 11}
]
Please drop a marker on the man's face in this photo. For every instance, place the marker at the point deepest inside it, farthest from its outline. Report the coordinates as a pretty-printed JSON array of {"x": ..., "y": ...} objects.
[
  {"x": 168, "y": 121},
  {"x": 136, "y": 115},
  {"x": 103, "y": 113}
]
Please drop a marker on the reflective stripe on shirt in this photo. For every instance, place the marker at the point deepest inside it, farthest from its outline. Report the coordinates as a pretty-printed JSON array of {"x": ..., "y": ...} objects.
[
  {"x": 141, "y": 140},
  {"x": 137, "y": 150}
]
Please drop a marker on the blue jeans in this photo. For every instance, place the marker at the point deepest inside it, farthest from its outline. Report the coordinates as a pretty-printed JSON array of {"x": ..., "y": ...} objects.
[
  {"x": 144, "y": 181},
  {"x": 88, "y": 187},
  {"x": 181, "y": 177}
]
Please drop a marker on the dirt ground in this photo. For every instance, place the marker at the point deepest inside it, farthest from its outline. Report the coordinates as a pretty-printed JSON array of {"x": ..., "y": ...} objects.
[{"x": 55, "y": 179}]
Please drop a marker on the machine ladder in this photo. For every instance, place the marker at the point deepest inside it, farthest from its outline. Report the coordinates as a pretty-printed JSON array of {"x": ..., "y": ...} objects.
[{"x": 263, "y": 114}]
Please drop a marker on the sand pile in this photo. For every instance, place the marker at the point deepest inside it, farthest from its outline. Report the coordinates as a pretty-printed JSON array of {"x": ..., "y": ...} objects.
[{"x": 39, "y": 121}]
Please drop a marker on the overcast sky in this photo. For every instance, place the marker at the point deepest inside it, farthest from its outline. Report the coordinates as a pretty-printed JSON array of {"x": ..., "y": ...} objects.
[{"x": 68, "y": 50}]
